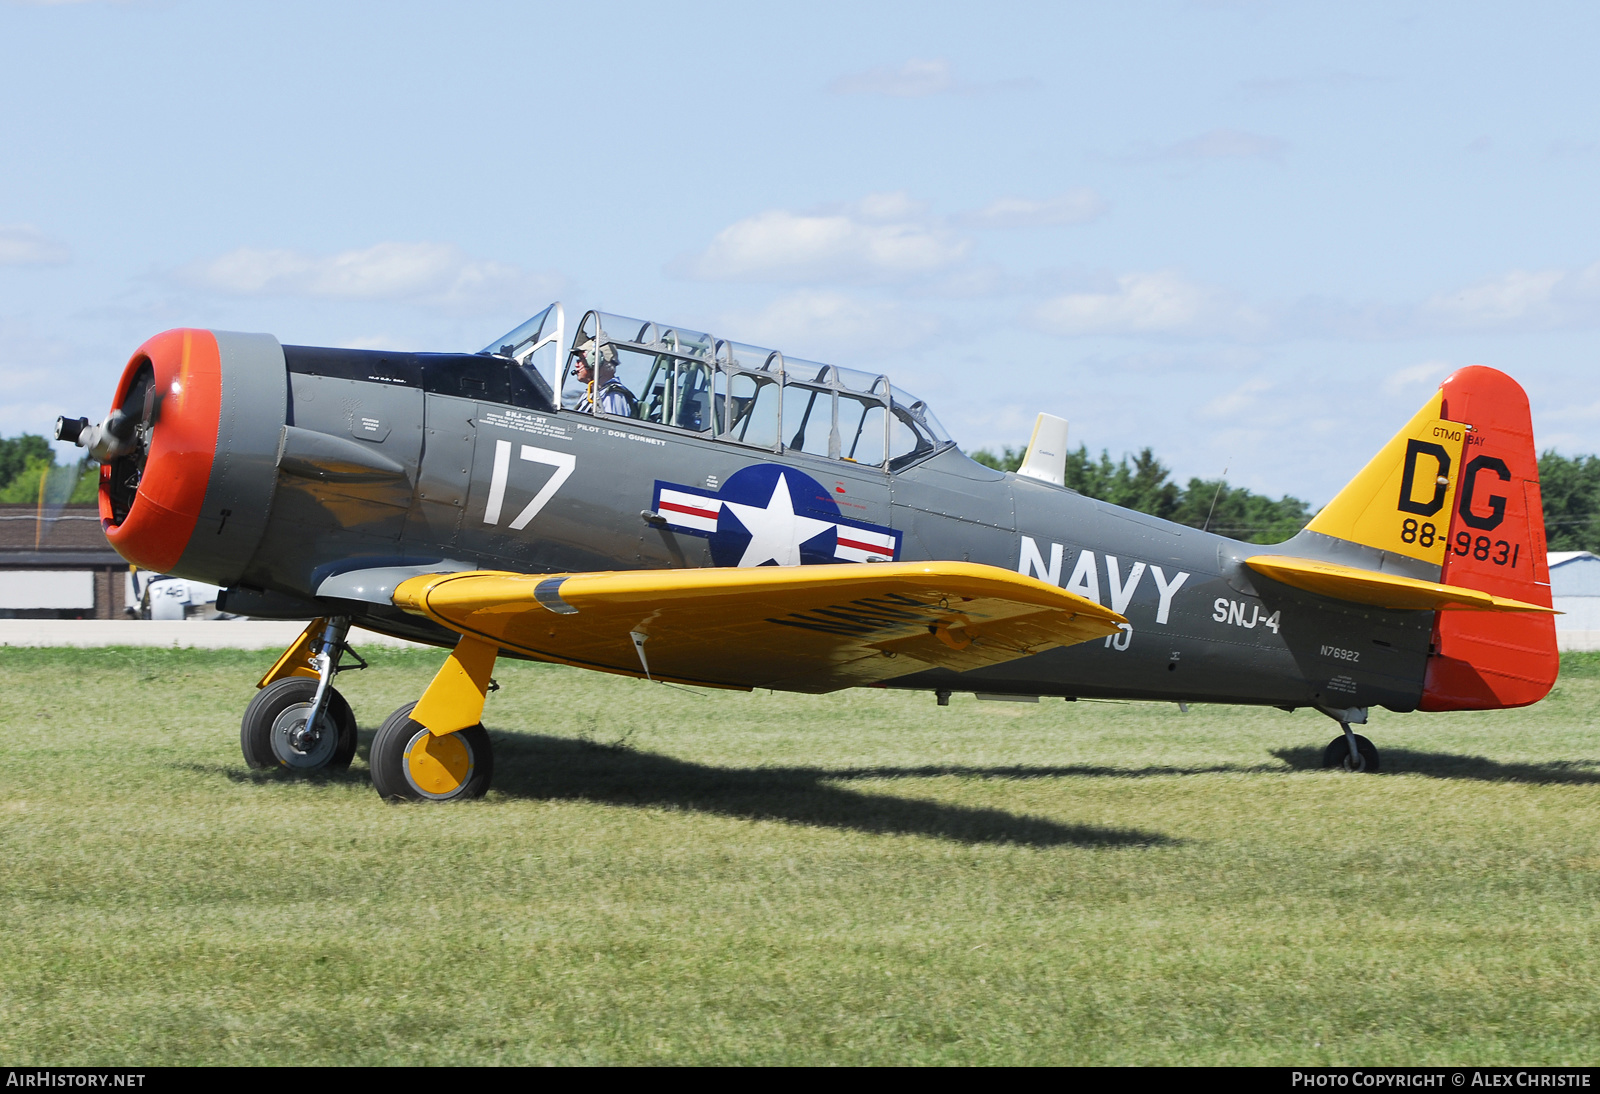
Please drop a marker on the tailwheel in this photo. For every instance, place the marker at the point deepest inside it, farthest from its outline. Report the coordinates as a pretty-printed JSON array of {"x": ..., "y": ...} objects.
[
  {"x": 1337, "y": 754},
  {"x": 275, "y": 733},
  {"x": 411, "y": 764}
]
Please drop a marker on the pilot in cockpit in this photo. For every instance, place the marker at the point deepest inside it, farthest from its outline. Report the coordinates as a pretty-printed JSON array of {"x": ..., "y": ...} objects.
[{"x": 611, "y": 395}]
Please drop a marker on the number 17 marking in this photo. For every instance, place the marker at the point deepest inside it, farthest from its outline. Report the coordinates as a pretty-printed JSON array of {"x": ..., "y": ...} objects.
[{"x": 563, "y": 462}]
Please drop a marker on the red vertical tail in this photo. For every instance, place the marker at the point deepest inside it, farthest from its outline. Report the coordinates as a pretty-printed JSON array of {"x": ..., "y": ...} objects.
[{"x": 1487, "y": 660}]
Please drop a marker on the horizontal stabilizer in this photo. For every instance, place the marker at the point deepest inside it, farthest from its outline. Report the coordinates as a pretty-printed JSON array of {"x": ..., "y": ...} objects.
[
  {"x": 1379, "y": 589},
  {"x": 802, "y": 628}
]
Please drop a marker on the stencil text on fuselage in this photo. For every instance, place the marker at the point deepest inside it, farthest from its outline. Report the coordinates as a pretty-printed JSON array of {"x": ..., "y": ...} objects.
[{"x": 1121, "y": 581}]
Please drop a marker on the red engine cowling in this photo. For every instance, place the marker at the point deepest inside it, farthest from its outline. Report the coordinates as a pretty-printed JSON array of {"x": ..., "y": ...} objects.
[{"x": 193, "y": 495}]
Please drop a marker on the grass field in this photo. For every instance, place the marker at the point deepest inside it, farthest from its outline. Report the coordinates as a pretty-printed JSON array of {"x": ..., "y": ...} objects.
[{"x": 662, "y": 875}]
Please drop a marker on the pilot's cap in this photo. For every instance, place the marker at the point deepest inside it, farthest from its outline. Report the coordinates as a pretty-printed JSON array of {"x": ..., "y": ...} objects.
[{"x": 585, "y": 351}]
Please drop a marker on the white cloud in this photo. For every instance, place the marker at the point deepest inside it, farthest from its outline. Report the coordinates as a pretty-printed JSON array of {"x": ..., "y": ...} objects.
[
  {"x": 1517, "y": 296},
  {"x": 42, "y": 376},
  {"x": 1246, "y": 399},
  {"x": 917, "y": 79},
  {"x": 25, "y": 245},
  {"x": 888, "y": 205},
  {"x": 973, "y": 280},
  {"x": 1167, "y": 359},
  {"x": 1408, "y": 379},
  {"x": 1162, "y": 302},
  {"x": 1221, "y": 144},
  {"x": 1521, "y": 300},
  {"x": 1574, "y": 412},
  {"x": 842, "y": 329},
  {"x": 912, "y": 80},
  {"x": 435, "y": 274},
  {"x": 883, "y": 237},
  {"x": 1072, "y": 207}
]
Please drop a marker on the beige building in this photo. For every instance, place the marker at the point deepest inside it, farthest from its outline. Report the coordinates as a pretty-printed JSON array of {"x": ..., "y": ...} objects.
[{"x": 55, "y": 563}]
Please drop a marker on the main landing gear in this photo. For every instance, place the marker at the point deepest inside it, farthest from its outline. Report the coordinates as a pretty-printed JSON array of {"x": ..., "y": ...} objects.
[
  {"x": 410, "y": 763},
  {"x": 434, "y": 749},
  {"x": 298, "y": 720},
  {"x": 1350, "y": 751}
]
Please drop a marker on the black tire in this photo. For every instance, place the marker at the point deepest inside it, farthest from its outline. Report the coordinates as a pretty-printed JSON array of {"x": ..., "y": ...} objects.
[
  {"x": 395, "y": 778},
  {"x": 1337, "y": 754},
  {"x": 267, "y": 732}
]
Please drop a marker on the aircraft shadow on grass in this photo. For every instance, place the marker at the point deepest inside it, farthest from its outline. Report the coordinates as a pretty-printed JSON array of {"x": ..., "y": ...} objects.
[
  {"x": 561, "y": 768},
  {"x": 1446, "y": 765},
  {"x": 543, "y": 767}
]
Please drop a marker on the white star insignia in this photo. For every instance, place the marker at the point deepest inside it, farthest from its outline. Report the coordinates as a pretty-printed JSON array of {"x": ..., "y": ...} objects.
[{"x": 776, "y": 533}]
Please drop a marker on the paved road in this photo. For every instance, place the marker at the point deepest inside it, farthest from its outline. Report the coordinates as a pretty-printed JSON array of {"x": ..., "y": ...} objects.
[{"x": 238, "y": 634}]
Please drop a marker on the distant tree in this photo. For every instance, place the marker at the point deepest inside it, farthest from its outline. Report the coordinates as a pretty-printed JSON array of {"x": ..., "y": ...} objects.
[
  {"x": 26, "y": 459},
  {"x": 1571, "y": 492},
  {"x": 16, "y": 452},
  {"x": 1009, "y": 459},
  {"x": 1239, "y": 514},
  {"x": 1142, "y": 482},
  {"x": 1142, "y": 485}
]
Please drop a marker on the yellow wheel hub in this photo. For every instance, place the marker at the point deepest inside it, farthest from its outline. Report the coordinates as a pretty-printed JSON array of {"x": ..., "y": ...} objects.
[{"x": 438, "y": 766}]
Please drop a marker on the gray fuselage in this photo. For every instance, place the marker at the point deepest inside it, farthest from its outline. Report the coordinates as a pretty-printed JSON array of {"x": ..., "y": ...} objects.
[{"x": 469, "y": 451}]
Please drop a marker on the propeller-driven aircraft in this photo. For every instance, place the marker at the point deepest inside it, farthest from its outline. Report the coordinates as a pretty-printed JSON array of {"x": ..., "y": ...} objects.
[{"x": 656, "y": 502}]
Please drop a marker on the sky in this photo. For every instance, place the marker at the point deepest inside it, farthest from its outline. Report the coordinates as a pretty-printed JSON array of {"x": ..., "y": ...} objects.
[{"x": 1252, "y": 236}]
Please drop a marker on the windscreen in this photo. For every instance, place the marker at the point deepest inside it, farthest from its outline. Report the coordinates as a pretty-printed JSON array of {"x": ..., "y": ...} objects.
[{"x": 517, "y": 341}]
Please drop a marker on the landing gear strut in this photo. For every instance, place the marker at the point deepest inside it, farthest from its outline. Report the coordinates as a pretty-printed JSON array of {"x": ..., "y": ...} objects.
[
  {"x": 1350, "y": 751},
  {"x": 298, "y": 720}
]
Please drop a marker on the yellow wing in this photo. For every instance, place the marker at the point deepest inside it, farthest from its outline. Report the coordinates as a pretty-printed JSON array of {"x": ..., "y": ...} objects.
[
  {"x": 1379, "y": 589},
  {"x": 800, "y": 628}
]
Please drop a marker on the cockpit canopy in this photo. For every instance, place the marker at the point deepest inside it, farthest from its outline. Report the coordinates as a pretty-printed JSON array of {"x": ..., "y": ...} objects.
[{"x": 693, "y": 381}]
